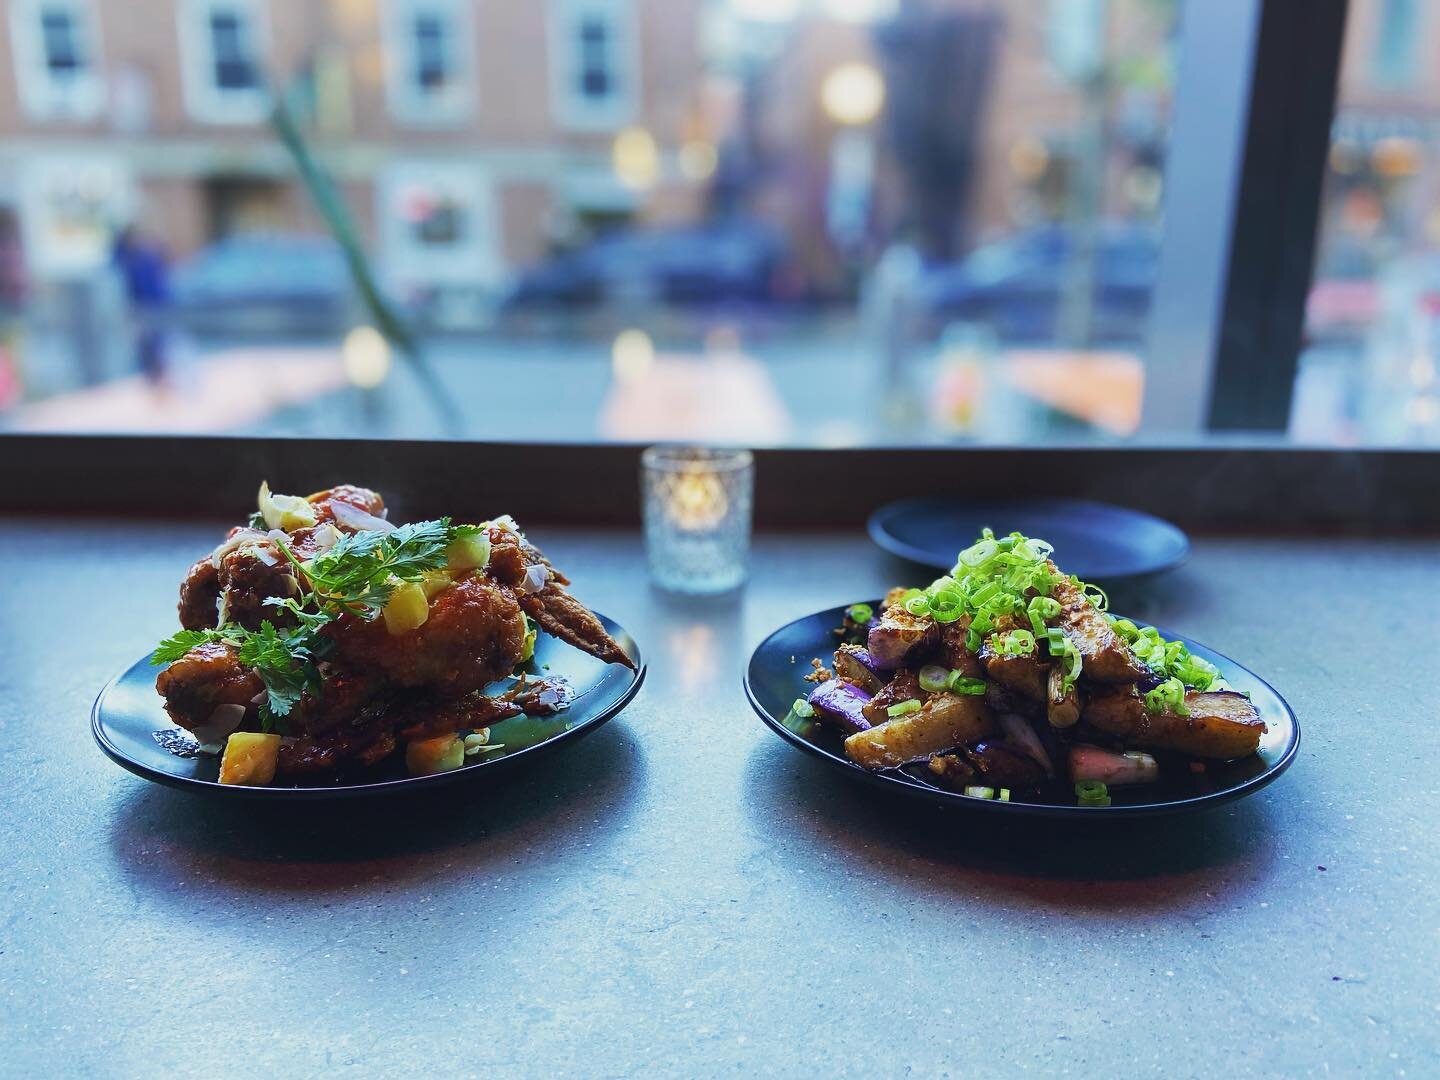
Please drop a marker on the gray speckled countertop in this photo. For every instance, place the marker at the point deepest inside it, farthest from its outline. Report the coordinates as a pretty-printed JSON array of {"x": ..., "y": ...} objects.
[{"x": 683, "y": 894}]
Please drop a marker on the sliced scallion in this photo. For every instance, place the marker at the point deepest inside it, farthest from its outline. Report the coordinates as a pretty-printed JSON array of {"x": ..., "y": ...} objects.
[{"x": 933, "y": 678}]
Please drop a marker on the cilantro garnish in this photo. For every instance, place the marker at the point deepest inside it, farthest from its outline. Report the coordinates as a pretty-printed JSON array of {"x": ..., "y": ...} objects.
[{"x": 357, "y": 576}]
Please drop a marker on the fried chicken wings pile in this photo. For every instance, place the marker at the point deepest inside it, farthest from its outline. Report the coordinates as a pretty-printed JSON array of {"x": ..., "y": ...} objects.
[
  {"x": 338, "y": 636},
  {"x": 1008, "y": 674}
]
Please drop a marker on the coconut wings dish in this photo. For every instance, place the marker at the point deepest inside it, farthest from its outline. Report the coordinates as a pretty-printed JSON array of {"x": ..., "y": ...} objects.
[
  {"x": 319, "y": 637},
  {"x": 1008, "y": 676}
]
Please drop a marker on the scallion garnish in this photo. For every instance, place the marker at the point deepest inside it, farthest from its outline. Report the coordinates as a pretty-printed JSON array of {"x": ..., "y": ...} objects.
[
  {"x": 802, "y": 708},
  {"x": 1015, "y": 643},
  {"x": 903, "y": 708},
  {"x": 1092, "y": 793},
  {"x": 933, "y": 677},
  {"x": 1169, "y": 696},
  {"x": 860, "y": 613},
  {"x": 964, "y": 684}
]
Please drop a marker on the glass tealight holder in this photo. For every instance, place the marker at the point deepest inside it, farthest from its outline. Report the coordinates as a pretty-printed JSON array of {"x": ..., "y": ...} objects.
[{"x": 697, "y": 509}]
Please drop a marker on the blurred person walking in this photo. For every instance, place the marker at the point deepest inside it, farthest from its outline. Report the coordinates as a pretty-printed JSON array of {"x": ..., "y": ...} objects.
[{"x": 145, "y": 271}]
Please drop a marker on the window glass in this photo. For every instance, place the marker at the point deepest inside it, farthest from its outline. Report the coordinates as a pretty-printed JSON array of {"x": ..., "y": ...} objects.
[
  {"x": 432, "y": 59},
  {"x": 793, "y": 222},
  {"x": 1368, "y": 370},
  {"x": 62, "y": 47},
  {"x": 54, "y": 60},
  {"x": 594, "y": 57},
  {"x": 230, "y": 47}
]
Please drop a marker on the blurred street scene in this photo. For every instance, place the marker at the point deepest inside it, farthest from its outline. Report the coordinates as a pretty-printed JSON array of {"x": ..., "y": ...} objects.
[{"x": 814, "y": 222}]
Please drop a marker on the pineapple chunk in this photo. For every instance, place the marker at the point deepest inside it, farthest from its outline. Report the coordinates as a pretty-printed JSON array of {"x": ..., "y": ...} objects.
[
  {"x": 527, "y": 647},
  {"x": 249, "y": 759},
  {"x": 435, "y": 581},
  {"x": 440, "y": 754},
  {"x": 471, "y": 553},
  {"x": 407, "y": 608}
]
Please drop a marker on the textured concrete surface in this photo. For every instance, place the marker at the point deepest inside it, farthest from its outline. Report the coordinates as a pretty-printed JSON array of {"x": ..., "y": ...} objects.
[{"x": 682, "y": 894}]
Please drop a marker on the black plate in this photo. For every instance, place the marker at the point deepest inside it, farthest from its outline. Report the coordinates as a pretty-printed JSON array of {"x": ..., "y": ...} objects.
[
  {"x": 1094, "y": 541},
  {"x": 128, "y": 714},
  {"x": 775, "y": 678}
]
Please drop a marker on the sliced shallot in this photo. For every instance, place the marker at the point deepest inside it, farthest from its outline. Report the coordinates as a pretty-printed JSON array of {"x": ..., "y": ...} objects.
[{"x": 357, "y": 520}]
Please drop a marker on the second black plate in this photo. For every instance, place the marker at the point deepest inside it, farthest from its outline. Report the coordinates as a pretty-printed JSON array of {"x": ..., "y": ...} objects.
[{"x": 1095, "y": 541}]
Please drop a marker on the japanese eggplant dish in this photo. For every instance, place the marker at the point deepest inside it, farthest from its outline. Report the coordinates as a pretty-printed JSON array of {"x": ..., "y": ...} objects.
[
  {"x": 1008, "y": 679},
  {"x": 320, "y": 638}
]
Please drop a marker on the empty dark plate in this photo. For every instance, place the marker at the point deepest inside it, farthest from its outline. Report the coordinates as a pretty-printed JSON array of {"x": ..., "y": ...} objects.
[
  {"x": 775, "y": 678},
  {"x": 129, "y": 722},
  {"x": 1094, "y": 541}
]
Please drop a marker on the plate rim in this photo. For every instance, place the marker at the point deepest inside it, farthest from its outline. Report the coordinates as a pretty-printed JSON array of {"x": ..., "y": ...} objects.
[
  {"x": 940, "y": 796},
  {"x": 876, "y": 528},
  {"x": 405, "y": 785}
]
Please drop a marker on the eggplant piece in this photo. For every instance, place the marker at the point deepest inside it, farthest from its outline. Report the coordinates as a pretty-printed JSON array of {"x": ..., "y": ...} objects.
[
  {"x": 1221, "y": 725},
  {"x": 1025, "y": 676},
  {"x": 893, "y": 598},
  {"x": 1062, "y": 707},
  {"x": 1104, "y": 653},
  {"x": 905, "y": 686},
  {"x": 951, "y": 771},
  {"x": 1112, "y": 767},
  {"x": 854, "y": 662},
  {"x": 840, "y": 704},
  {"x": 1007, "y": 701},
  {"x": 954, "y": 653},
  {"x": 899, "y": 635},
  {"x": 945, "y": 721},
  {"x": 1002, "y": 765}
]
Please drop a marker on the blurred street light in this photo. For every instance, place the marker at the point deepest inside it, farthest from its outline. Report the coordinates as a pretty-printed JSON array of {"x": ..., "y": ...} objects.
[
  {"x": 860, "y": 11},
  {"x": 632, "y": 355},
  {"x": 366, "y": 356},
  {"x": 636, "y": 158},
  {"x": 765, "y": 10},
  {"x": 697, "y": 159},
  {"x": 853, "y": 94}
]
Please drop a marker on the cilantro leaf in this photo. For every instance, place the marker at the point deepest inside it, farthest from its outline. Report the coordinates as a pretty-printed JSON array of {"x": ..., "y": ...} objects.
[{"x": 182, "y": 641}]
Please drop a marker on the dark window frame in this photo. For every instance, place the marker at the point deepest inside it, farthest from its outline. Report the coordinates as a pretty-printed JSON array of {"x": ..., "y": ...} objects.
[{"x": 1275, "y": 226}]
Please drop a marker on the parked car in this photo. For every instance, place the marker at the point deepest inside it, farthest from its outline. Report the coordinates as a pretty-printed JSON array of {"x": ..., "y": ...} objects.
[
  {"x": 717, "y": 261},
  {"x": 1344, "y": 300},
  {"x": 1016, "y": 286},
  {"x": 272, "y": 283}
]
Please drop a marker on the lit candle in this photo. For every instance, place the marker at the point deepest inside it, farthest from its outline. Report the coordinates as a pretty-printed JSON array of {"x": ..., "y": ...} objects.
[
  {"x": 697, "y": 516},
  {"x": 697, "y": 502}
]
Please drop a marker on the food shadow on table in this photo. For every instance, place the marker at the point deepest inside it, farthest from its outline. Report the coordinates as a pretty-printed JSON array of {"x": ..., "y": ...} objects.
[
  {"x": 566, "y": 805},
  {"x": 1114, "y": 866}
]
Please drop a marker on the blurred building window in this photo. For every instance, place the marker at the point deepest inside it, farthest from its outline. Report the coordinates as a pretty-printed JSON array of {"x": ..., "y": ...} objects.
[
  {"x": 430, "y": 61},
  {"x": 56, "y": 59},
  {"x": 594, "y": 65},
  {"x": 439, "y": 231},
  {"x": 1395, "y": 43},
  {"x": 221, "y": 42},
  {"x": 1368, "y": 371}
]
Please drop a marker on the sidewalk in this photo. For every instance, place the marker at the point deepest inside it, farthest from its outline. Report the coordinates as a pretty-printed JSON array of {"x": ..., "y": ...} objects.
[{"x": 231, "y": 389}]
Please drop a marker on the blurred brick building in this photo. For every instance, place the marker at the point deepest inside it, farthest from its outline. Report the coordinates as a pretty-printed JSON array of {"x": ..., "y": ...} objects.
[{"x": 467, "y": 137}]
